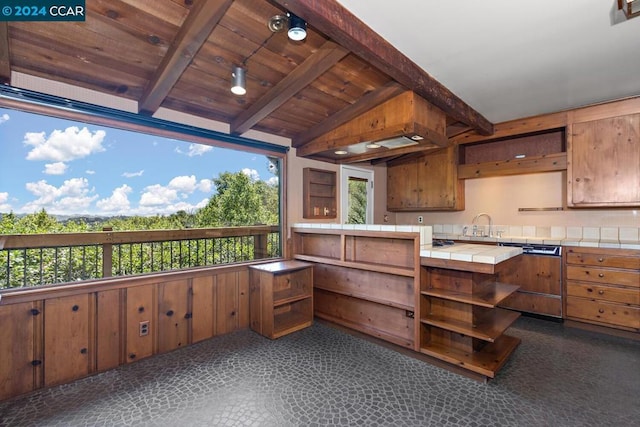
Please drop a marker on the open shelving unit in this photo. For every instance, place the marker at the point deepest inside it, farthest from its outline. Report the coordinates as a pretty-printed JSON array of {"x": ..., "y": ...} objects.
[
  {"x": 280, "y": 297},
  {"x": 319, "y": 194},
  {"x": 460, "y": 322},
  {"x": 364, "y": 280}
]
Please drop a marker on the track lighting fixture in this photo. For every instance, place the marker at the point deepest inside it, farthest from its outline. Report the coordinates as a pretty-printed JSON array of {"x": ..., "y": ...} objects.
[
  {"x": 297, "y": 27},
  {"x": 238, "y": 81}
]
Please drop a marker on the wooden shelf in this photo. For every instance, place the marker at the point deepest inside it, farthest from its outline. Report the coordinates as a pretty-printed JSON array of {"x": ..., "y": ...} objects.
[
  {"x": 398, "y": 340},
  {"x": 408, "y": 272},
  {"x": 277, "y": 301},
  {"x": 485, "y": 362},
  {"x": 365, "y": 297},
  {"x": 290, "y": 322},
  {"x": 489, "y": 327},
  {"x": 488, "y": 296}
]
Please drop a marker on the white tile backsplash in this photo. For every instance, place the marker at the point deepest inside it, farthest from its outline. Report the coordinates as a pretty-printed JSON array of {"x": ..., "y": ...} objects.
[
  {"x": 529, "y": 231},
  {"x": 629, "y": 234},
  {"x": 591, "y": 233},
  {"x": 574, "y": 233},
  {"x": 609, "y": 233}
]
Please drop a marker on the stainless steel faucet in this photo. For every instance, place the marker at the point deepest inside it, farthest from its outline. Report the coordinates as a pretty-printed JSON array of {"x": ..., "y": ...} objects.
[{"x": 475, "y": 227}]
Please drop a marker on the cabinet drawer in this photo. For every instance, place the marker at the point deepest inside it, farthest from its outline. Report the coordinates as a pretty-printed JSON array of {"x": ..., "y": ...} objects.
[
  {"x": 603, "y": 260},
  {"x": 605, "y": 293},
  {"x": 605, "y": 312},
  {"x": 548, "y": 305},
  {"x": 603, "y": 275}
]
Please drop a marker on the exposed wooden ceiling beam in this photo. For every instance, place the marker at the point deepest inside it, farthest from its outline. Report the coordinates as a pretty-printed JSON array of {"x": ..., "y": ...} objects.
[
  {"x": 328, "y": 55},
  {"x": 340, "y": 25},
  {"x": 5, "y": 59},
  {"x": 195, "y": 30},
  {"x": 367, "y": 102}
]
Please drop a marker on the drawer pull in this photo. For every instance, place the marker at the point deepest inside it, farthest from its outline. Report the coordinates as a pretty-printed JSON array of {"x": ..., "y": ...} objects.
[
  {"x": 600, "y": 259},
  {"x": 600, "y": 310},
  {"x": 601, "y": 275},
  {"x": 600, "y": 292}
]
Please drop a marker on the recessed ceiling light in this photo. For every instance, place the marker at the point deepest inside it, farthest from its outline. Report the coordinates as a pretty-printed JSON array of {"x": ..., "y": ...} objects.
[
  {"x": 373, "y": 145},
  {"x": 417, "y": 138},
  {"x": 340, "y": 152},
  {"x": 520, "y": 156}
]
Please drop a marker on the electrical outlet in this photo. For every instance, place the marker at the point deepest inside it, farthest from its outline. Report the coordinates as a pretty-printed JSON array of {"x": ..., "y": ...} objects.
[
  {"x": 420, "y": 219},
  {"x": 144, "y": 328}
]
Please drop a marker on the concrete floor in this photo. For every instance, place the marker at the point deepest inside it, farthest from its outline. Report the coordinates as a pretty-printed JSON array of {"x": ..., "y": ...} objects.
[{"x": 320, "y": 376}]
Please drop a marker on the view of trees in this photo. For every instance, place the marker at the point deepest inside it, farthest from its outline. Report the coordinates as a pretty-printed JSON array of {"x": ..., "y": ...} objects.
[
  {"x": 357, "y": 202},
  {"x": 238, "y": 201}
]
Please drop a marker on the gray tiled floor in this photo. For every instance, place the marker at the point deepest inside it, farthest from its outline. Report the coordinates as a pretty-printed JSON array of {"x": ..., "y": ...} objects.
[{"x": 322, "y": 376}]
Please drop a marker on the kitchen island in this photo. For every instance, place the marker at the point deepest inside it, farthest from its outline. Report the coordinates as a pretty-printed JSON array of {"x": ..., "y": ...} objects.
[{"x": 391, "y": 283}]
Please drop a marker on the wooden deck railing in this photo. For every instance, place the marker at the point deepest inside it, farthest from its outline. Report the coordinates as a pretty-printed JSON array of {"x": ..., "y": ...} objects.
[{"x": 41, "y": 259}]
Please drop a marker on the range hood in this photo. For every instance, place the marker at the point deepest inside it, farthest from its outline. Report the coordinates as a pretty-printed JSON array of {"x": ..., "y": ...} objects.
[{"x": 406, "y": 122}]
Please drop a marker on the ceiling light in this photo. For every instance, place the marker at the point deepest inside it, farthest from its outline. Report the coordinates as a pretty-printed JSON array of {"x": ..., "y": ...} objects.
[
  {"x": 297, "y": 27},
  {"x": 341, "y": 152},
  {"x": 373, "y": 145},
  {"x": 238, "y": 82},
  {"x": 631, "y": 8}
]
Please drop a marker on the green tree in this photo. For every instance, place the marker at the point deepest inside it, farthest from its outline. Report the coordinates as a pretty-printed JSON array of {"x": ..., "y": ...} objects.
[{"x": 357, "y": 202}]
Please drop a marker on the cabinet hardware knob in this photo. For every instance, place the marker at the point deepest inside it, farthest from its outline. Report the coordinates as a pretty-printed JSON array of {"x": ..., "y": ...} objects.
[
  {"x": 35, "y": 311},
  {"x": 601, "y": 275},
  {"x": 601, "y": 311},
  {"x": 140, "y": 309},
  {"x": 36, "y": 362},
  {"x": 83, "y": 351},
  {"x": 75, "y": 308},
  {"x": 600, "y": 259},
  {"x": 601, "y": 292},
  {"x": 170, "y": 313}
]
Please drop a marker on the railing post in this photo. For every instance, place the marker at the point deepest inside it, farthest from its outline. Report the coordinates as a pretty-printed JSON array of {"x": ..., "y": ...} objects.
[
  {"x": 107, "y": 256},
  {"x": 260, "y": 245}
]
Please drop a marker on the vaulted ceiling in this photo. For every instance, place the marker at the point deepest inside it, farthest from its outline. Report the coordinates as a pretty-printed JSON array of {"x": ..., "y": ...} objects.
[{"x": 179, "y": 54}]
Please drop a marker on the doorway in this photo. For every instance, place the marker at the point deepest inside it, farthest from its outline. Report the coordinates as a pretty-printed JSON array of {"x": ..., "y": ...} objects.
[{"x": 356, "y": 198}]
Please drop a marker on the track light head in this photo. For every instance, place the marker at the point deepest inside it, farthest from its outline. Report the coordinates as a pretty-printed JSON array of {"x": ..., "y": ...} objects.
[
  {"x": 238, "y": 81},
  {"x": 297, "y": 27}
]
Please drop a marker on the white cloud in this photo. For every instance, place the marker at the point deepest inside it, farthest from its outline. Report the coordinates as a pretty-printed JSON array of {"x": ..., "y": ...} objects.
[
  {"x": 251, "y": 173},
  {"x": 58, "y": 168},
  {"x": 158, "y": 195},
  {"x": 133, "y": 174},
  {"x": 195, "y": 150},
  {"x": 273, "y": 181},
  {"x": 4, "y": 206},
  {"x": 90, "y": 172},
  {"x": 183, "y": 184},
  {"x": 4, "y": 118},
  {"x": 205, "y": 185},
  {"x": 71, "y": 197},
  {"x": 118, "y": 202},
  {"x": 64, "y": 146}
]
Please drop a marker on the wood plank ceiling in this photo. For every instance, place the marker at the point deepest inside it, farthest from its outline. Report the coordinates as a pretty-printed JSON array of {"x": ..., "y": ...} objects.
[{"x": 179, "y": 54}]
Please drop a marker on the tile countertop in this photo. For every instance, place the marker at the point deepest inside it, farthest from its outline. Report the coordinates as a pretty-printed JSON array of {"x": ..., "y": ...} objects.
[
  {"x": 469, "y": 252},
  {"x": 570, "y": 241}
]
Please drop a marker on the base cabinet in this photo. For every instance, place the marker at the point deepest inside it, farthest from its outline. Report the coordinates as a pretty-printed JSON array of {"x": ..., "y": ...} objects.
[
  {"x": 280, "y": 297},
  {"x": 21, "y": 361},
  {"x": 539, "y": 278},
  {"x": 603, "y": 287}
]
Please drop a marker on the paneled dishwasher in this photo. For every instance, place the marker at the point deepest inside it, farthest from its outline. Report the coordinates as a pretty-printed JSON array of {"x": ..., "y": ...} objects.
[{"x": 539, "y": 274}]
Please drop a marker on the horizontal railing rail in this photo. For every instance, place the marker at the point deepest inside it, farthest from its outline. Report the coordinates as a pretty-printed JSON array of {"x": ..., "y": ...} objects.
[{"x": 42, "y": 259}]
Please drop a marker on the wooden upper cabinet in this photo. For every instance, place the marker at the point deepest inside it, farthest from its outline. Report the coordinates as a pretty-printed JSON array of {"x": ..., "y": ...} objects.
[
  {"x": 604, "y": 162},
  {"x": 427, "y": 182}
]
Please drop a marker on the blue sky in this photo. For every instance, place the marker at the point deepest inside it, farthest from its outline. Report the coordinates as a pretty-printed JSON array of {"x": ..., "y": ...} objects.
[{"x": 71, "y": 168}]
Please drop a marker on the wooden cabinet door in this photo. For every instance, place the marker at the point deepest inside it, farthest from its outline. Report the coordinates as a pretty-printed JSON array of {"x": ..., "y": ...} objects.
[
  {"x": 402, "y": 185},
  {"x": 140, "y": 308},
  {"x": 67, "y": 349},
  {"x": 173, "y": 315},
  {"x": 438, "y": 184},
  {"x": 19, "y": 355},
  {"x": 604, "y": 162},
  {"x": 203, "y": 313}
]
